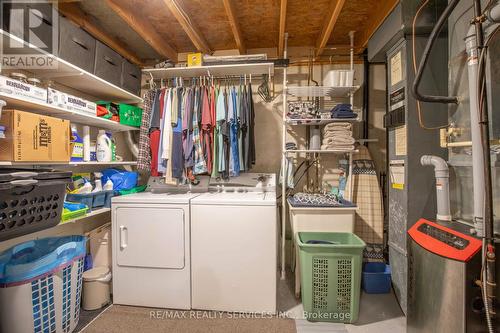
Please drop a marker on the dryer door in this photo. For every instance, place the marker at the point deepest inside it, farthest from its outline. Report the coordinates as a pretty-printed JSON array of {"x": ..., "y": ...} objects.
[{"x": 149, "y": 236}]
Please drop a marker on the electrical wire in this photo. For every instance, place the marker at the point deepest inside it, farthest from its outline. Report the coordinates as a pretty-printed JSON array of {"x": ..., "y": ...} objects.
[{"x": 421, "y": 121}]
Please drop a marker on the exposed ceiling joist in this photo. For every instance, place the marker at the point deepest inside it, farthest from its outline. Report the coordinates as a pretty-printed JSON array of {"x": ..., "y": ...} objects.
[
  {"x": 281, "y": 41},
  {"x": 74, "y": 13},
  {"x": 191, "y": 30},
  {"x": 235, "y": 27},
  {"x": 331, "y": 19},
  {"x": 383, "y": 10},
  {"x": 144, "y": 28}
]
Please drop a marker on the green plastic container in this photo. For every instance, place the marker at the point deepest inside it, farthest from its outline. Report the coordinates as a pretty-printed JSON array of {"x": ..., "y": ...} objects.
[
  {"x": 71, "y": 215},
  {"x": 130, "y": 115},
  {"x": 330, "y": 275}
]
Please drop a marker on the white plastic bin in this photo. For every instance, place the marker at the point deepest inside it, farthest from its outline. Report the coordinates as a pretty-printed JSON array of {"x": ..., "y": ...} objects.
[
  {"x": 339, "y": 78},
  {"x": 96, "y": 288},
  {"x": 40, "y": 285},
  {"x": 319, "y": 219}
]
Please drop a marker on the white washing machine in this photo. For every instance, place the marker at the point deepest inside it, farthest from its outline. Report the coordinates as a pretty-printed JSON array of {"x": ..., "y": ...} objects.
[
  {"x": 151, "y": 250},
  {"x": 234, "y": 246}
]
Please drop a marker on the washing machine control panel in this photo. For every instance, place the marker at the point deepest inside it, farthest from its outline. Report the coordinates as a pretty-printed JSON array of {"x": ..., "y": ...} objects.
[{"x": 444, "y": 236}]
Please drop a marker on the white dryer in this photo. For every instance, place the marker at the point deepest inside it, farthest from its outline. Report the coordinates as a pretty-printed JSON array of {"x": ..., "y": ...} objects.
[
  {"x": 151, "y": 250},
  {"x": 234, "y": 246}
]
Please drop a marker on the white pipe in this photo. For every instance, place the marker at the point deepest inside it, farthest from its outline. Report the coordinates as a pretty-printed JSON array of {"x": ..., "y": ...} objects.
[
  {"x": 475, "y": 128},
  {"x": 442, "y": 185}
]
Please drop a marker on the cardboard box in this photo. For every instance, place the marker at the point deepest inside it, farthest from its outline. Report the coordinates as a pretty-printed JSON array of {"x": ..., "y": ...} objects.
[
  {"x": 70, "y": 102},
  {"x": 31, "y": 137},
  {"x": 194, "y": 59},
  {"x": 22, "y": 91}
]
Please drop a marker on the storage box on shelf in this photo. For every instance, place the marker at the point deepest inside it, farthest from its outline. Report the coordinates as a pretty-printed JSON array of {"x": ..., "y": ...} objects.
[
  {"x": 67, "y": 74},
  {"x": 32, "y": 137},
  {"x": 76, "y": 46}
]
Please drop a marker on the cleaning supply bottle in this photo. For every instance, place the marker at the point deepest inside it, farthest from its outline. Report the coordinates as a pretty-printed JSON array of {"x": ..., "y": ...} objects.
[
  {"x": 98, "y": 182},
  {"x": 76, "y": 145},
  {"x": 104, "y": 150},
  {"x": 108, "y": 186},
  {"x": 86, "y": 143},
  {"x": 85, "y": 189},
  {"x": 113, "y": 146}
]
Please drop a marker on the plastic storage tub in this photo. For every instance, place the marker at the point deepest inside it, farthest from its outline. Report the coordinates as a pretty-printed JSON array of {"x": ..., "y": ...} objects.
[
  {"x": 323, "y": 219},
  {"x": 41, "y": 284},
  {"x": 92, "y": 200},
  {"x": 330, "y": 275},
  {"x": 30, "y": 201},
  {"x": 376, "y": 278}
]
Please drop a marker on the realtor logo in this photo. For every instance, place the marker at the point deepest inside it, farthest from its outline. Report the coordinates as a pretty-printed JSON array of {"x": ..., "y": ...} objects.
[{"x": 30, "y": 34}]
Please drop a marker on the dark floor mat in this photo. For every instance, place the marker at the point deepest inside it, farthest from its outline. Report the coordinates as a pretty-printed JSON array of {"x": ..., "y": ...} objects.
[{"x": 121, "y": 319}]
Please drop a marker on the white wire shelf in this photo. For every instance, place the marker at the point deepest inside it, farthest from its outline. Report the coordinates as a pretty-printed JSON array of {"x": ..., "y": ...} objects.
[
  {"x": 89, "y": 214},
  {"x": 62, "y": 164},
  {"x": 79, "y": 117},
  {"x": 320, "y": 151},
  {"x": 67, "y": 74},
  {"x": 321, "y": 91},
  {"x": 215, "y": 70},
  {"x": 319, "y": 122}
]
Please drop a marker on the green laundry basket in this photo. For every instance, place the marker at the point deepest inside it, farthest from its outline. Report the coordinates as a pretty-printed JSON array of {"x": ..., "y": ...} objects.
[{"x": 330, "y": 275}]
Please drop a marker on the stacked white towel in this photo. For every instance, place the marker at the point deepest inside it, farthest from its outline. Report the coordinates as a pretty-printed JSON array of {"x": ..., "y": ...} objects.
[{"x": 338, "y": 136}]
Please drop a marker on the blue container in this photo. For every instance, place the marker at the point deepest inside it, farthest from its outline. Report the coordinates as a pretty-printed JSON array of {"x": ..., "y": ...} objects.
[
  {"x": 92, "y": 200},
  {"x": 376, "y": 278}
]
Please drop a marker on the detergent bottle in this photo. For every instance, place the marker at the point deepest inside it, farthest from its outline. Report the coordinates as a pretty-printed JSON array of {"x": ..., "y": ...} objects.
[
  {"x": 104, "y": 147},
  {"x": 76, "y": 145}
]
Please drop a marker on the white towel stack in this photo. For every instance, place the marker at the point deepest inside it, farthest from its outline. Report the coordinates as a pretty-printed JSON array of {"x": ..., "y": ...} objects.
[{"x": 338, "y": 136}]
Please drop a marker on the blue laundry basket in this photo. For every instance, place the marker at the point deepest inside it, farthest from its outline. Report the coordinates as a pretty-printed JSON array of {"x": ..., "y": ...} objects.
[{"x": 42, "y": 279}]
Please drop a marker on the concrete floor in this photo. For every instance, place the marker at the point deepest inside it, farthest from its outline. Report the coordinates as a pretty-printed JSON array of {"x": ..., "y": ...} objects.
[{"x": 378, "y": 313}]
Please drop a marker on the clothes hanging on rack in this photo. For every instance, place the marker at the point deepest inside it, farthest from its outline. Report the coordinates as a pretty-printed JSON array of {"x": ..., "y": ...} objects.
[
  {"x": 198, "y": 129},
  {"x": 144, "y": 154}
]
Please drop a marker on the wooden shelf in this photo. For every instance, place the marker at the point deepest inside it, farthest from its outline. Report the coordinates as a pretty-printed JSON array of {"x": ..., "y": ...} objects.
[
  {"x": 62, "y": 164},
  {"x": 71, "y": 76},
  {"x": 319, "y": 122},
  {"x": 321, "y": 91},
  {"x": 90, "y": 214},
  {"x": 215, "y": 70},
  {"x": 78, "y": 117},
  {"x": 314, "y": 151}
]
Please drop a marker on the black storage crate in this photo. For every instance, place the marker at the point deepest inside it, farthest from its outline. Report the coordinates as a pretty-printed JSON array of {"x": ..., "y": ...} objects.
[{"x": 30, "y": 201}]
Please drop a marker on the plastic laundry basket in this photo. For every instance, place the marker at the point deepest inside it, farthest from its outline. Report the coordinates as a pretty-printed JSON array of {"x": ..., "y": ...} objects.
[
  {"x": 40, "y": 285},
  {"x": 330, "y": 275}
]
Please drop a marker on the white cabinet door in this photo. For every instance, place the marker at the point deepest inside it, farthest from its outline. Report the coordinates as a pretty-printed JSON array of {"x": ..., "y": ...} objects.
[{"x": 149, "y": 237}]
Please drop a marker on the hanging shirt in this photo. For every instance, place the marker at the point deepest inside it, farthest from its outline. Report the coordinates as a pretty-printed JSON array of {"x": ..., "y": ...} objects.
[
  {"x": 221, "y": 119},
  {"x": 187, "y": 138},
  {"x": 206, "y": 129},
  {"x": 240, "y": 142},
  {"x": 200, "y": 165},
  {"x": 215, "y": 157},
  {"x": 235, "y": 156},
  {"x": 177, "y": 145},
  {"x": 144, "y": 156}
]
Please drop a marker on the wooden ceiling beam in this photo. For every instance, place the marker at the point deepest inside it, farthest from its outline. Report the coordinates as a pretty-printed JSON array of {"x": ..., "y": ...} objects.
[
  {"x": 144, "y": 28},
  {"x": 235, "y": 27},
  {"x": 379, "y": 15},
  {"x": 330, "y": 21},
  {"x": 191, "y": 30},
  {"x": 74, "y": 13},
  {"x": 281, "y": 41}
]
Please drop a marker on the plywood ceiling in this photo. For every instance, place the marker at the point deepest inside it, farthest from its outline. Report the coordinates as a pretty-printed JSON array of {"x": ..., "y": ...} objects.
[{"x": 257, "y": 20}]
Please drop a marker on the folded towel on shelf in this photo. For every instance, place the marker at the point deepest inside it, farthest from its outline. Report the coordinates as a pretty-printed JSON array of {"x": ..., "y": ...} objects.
[
  {"x": 343, "y": 111},
  {"x": 337, "y": 126},
  {"x": 332, "y": 134},
  {"x": 339, "y": 140},
  {"x": 346, "y": 148}
]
